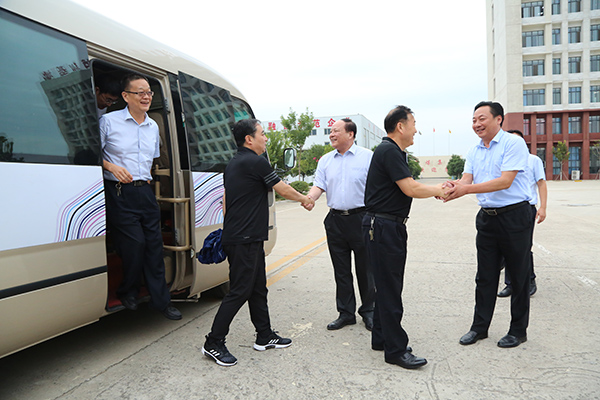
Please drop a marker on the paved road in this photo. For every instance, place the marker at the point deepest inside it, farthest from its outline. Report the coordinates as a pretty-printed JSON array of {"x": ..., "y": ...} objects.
[{"x": 143, "y": 356}]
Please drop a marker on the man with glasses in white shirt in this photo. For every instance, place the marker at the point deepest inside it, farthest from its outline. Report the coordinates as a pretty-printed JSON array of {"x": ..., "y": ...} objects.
[{"x": 130, "y": 143}]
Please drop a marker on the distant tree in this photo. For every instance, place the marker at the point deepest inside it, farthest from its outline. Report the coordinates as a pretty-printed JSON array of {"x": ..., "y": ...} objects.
[
  {"x": 456, "y": 166},
  {"x": 6, "y": 149},
  {"x": 278, "y": 141},
  {"x": 414, "y": 166},
  {"x": 561, "y": 152},
  {"x": 298, "y": 129},
  {"x": 310, "y": 158}
]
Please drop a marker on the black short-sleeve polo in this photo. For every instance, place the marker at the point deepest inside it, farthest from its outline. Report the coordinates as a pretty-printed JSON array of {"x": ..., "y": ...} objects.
[
  {"x": 247, "y": 178},
  {"x": 382, "y": 194}
]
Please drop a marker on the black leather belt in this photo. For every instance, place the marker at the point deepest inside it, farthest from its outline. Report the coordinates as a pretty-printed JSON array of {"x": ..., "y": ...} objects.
[
  {"x": 498, "y": 211},
  {"x": 347, "y": 212},
  {"x": 133, "y": 183},
  {"x": 390, "y": 217}
]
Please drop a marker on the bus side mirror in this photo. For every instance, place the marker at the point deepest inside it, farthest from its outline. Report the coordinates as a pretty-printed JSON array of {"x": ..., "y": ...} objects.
[{"x": 289, "y": 158}]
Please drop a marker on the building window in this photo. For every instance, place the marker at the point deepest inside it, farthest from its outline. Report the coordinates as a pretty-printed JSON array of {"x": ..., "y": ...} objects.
[
  {"x": 556, "y": 36},
  {"x": 555, "y": 7},
  {"x": 533, "y": 38},
  {"x": 595, "y": 63},
  {"x": 574, "y": 65},
  {"x": 595, "y": 123},
  {"x": 533, "y": 68},
  {"x": 574, "y": 6},
  {"x": 556, "y": 66},
  {"x": 595, "y": 94},
  {"x": 574, "y": 125},
  {"x": 574, "y": 158},
  {"x": 540, "y": 126},
  {"x": 313, "y": 132},
  {"x": 541, "y": 153},
  {"x": 532, "y": 9},
  {"x": 556, "y": 167},
  {"x": 556, "y": 95},
  {"x": 595, "y": 5},
  {"x": 327, "y": 131},
  {"x": 595, "y": 33},
  {"x": 594, "y": 161},
  {"x": 526, "y": 129},
  {"x": 575, "y": 95},
  {"x": 575, "y": 34},
  {"x": 534, "y": 97},
  {"x": 557, "y": 125}
]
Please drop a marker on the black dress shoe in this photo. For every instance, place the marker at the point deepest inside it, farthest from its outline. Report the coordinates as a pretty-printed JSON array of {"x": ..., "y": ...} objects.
[
  {"x": 532, "y": 288},
  {"x": 368, "y": 323},
  {"x": 171, "y": 313},
  {"x": 129, "y": 302},
  {"x": 507, "y": 291},
  {"x": 471, "y": 337},
  {"x": 511, "y": 341},
  {"x": 409, "y": 361},
  {"x": 340, "y": 323}
]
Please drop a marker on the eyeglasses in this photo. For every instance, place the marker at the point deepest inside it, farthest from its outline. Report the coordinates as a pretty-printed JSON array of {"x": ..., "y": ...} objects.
[
  {"x": 141, "y": 94},
  {"x": 108, "y": 100}
]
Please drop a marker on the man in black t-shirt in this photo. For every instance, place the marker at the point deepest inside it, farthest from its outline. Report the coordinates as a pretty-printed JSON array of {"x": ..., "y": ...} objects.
[
  {"x": 248, "y": 179},
  {"x": 388, "y": 197}
]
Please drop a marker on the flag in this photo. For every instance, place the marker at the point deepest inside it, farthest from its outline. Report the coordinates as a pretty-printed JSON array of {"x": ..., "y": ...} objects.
[{"x": 433, "y": 130}]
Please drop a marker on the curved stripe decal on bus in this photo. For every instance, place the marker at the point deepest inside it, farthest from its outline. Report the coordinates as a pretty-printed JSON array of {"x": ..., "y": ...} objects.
[
  {"x": 208, "y": 197},
  {"x": 83, "y": 216}
]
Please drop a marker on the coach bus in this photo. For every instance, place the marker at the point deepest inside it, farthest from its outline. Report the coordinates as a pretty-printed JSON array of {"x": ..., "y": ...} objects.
[{"x": 58, "y": 267}]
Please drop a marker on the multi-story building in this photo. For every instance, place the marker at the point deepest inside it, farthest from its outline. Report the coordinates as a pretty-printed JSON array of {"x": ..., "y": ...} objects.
[
  {"x": 368, "y": 134},
  {"x": 544, "y": 68}
]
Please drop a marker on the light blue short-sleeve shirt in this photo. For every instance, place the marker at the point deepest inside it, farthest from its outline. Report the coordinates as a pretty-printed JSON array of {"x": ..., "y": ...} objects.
[
  {"x": 507, "y": 152},
  {"x": 535, "y": 173},
  {"x": 344, "y": 176},
  {"x": 128, "y": 144}
]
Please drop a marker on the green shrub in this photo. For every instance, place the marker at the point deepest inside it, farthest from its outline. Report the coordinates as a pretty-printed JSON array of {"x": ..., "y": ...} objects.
[{"x": 300, "y": 186}]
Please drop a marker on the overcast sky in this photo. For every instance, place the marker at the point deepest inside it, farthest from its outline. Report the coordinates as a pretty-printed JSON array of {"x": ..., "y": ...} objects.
[{"x": 335, "y": 57}]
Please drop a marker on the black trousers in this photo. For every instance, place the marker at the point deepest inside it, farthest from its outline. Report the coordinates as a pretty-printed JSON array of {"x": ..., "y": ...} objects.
[
  {"x": 506, "y": 273},
  {"x": 248, "y": 282},
  {"x": 344, "y": 237},
  {"x": 134, "y": 220},
  {"x": 508, "y": 236},
  {"x": 387, "y": 256}
]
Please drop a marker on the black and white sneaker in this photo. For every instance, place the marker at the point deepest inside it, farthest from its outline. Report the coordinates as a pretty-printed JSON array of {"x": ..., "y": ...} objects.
[
  {"x": 217, "y": 350},
  {"x": 273, "y": 341}
]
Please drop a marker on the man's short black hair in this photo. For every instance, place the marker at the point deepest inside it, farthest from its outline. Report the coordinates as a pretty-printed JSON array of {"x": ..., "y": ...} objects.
[
  {"x": 495, "y": 108},
  {"x": 108, "y": 86},
  {"x": 399, "y": 113},
  {"x": 243, "y": 128},
  {"x": 349, "y": 126},
  {"x": 518, "y": 132},
  {"x": 130, "y": 78}
]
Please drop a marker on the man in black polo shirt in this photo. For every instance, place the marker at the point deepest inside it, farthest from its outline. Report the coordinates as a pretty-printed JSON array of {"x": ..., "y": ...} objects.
[
  {"x": 248, "y": 178},
  {"x": 388, "y": 197}
]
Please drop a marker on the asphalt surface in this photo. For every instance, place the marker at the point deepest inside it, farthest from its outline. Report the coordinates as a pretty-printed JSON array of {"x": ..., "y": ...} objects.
[{"x": 144, "y": 356}]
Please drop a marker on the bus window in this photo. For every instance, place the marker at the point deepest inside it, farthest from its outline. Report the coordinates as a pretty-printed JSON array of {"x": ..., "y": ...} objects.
[
  {"x": 47, "y": 101},
  {"x": 241, "y": 110},
  {"x": 208, "y": 119}
]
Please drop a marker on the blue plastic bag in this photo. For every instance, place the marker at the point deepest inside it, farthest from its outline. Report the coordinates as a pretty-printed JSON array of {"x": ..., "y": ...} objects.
[{"x": 212, "y": 251}]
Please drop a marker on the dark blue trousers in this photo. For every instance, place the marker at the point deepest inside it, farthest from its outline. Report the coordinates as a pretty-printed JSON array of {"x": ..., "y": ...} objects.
[
  {"x": 387, "y": 257},
  {"x": 508, "y": 236},
  {"x": 134, "y": 221},
  {"x": 248, "y": 282},
  {"x": 344, "y": 237}
]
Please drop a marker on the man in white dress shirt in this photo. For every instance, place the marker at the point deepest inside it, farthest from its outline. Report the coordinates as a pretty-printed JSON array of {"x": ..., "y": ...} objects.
[{"x": 342, "y": 173}]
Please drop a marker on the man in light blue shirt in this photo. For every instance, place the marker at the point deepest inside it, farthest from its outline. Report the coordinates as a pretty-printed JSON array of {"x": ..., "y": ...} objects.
[
  {"x": 494, "y": 172},
  {"x": 537, "y": 181},
  {"x": 130, "y": 142},
  {"x": 342, "y": 173}
]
